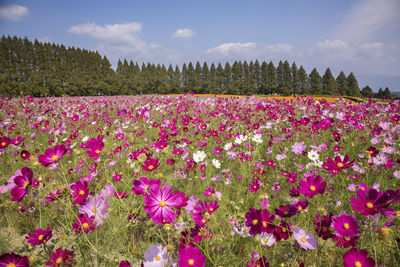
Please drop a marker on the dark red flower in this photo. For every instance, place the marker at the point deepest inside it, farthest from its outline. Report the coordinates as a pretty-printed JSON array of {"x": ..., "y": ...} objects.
[
  {"x": 61, "y": 258},
  {"x": 22, "y": 183},
  {"x": 39, "y": 236}
]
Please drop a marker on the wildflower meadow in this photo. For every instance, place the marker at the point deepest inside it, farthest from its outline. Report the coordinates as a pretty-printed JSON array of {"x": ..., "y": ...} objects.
[{"x": 185, "y": 180}]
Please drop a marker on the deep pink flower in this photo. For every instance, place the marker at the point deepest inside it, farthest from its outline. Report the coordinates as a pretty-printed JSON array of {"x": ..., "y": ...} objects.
[
  {"x": 150, "y": 165},
  {"x": 4, "y": 142},
  {"x": 12, "y": 259},
  {"x": 357, "y": 258},
  {"x": 371, "y": 201},
  {"x": 286, "y": 211},
  {"x": 61, "y": 258},
  {"x": 345, "y": 225},
  {"x": 253, "y": 220},
  {"x": 209, "y": 192},
  {"x": 124, "y": 264},
  {"x": 312, "y": 186},
  {"x": 39, "y": 236},
  {"x": 22, "y": 183},
  {"x": 282, "y": 231},
  {"x": 159, "y": 203},
  {"x": 80, "y": 191},
  {"x": 190, "y": 256},
  {"x": 322, "y": 226},
  {"x": 142, "y": 185},
  {"x": 52, "y": 155},
  {"x": 84, "y": 224},
  {"x": 255, "y": 185},
  {"x": 334, "y": 166}
]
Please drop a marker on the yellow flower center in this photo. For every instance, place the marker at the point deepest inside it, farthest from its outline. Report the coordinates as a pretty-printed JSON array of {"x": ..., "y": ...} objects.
[
  {"x": 357, "y": 264},
  {"x": 312, "y": 188},
  {"x": 151, "y": 167},
  {"x": 4, "y": 144},
  {"x": 162, "y": 203},
  {"x": 286, "y": 212},
  {"x": 255, "y": 222},
  {"x": 54, "y": 158},
  {"x": 346, "y": 226},
  {"x": 26, "y": 184},
  {"x": 324, "y": 229},
  {"x": 81, "y": 192},
  {"x": 284, "y": 230},
  {"x": 11, "y": 265},
  {"x": 211, "y": 209},
  {"x": 264, "y": 224},
  {"x": 97, "y": 151},
  {"x": 41, "y": 237},
  {"x": 369, "y": 205},
  {"x": 85, "y": 225},
  {"x": 157, "y": 258},
  {"x": 299, "y": 208},
  {"x": 191, "y": 262},
  {"x": 339, "y": 164},
  {"x": 94, "y": 210},
  {"x": 59, "y": 260},
  {"x": 303, "y": 240}
]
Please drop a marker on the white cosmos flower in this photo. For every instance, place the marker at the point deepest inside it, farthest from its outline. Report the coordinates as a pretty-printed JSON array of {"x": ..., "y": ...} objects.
[
  {"x": 257, "y": 138},
  {"x": 313, "y": 155},
  {"x": 199, "y": 156},
  {"x": 240, "y": 139},
  {"x": 216, "y": 163},
  {"x": 84, "y": 139},
  {"x": 156, "y": 256},
  {"x": 267, "y": 239},
  {"x": 228, "y": 146}
]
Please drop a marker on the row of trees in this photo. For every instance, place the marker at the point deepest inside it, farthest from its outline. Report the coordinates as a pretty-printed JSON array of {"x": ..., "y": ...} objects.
[
  {"x": 238, "y": 78},
  {"x": 37, "y": 68}
]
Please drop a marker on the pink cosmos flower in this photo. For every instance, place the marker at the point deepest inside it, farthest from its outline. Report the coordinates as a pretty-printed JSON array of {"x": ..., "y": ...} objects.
[
  {"x": 80, "y": 192},
  {"x": 22, "y": 184},
  {"x": 39, "y": 236},
  {"x": 190, "y": 256},
  {"x": 4, "y": 142},
  {"x": 83, "y": 224},
  {"x": 61, "y": 258},
  {"x": 306, "y": 241},
  {"x": 12, "y": 259},
  {"x": 371, "y": 201},
  {"x": 345, "y": 225},
  {"x": 298, "y": 148},
  {"x": 357, "y": 258},
  {"x": 159, "y": 203},
  {"x": 150, "y": 165},
  {"x": 97, "y": 207},
  {"x": 52, "y": 155},
  {"x": 142, "y": 185},
  {"x": 312, "y": 186}
]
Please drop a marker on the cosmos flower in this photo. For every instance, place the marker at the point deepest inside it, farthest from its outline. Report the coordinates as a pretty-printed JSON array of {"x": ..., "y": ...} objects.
[
  {"x": 22, "y": 183},
  {"x": 4, "y": 142},
  {"x": 312, "y": 186},
  {"x": 298, "y": 148},
  {"x": 357, "y": 258},
  {"x": 39, "y": 236},
  {"x": 61, "y": 258},
  {"x": 216, "y": 163},
  {"x": 190, "y": 256},
  {"x": 13, "y": 260},
  {"x": 83, "y": 224},
  {"x": 322, "y": 226},
  {"x": 199, "y": 156},
  {"x": 267, "y": 239},
  {"x": 159, "y": 203},
  {"x": 345, "y": 225},
  {"x": 96, "y": 207},
  {"x": 150, "y": 165},
  {"x": 52, "y": 155},
  {"x": 253, "y": 220},
  {"x": 80, "y": 191},
  {"x": 370, "y": 202},
  {"x": 142, "y": 185},
  {"x": 156, "y": 256},
  {"x": 124, "y": 264},
  {"x": 306, "y": 241}
]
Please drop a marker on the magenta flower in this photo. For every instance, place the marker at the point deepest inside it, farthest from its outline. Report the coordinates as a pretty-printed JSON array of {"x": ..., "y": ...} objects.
[
  {"x": 298, "y": 148},
  {"x": 306, "y": 241},
  {"x": 322, "y": 226},
  {"x": 334, "y": 166},
  {"x": 159, "y": 203},
  {"x": 124, "y": 264},
  {"x": 61, "y": 258},
  {"x": 12, "y": 259},
  {"x": 371, "y": 201},
  {"x": 95, "y": 146},
  {"x": 253, "y": 220},
  {"x": 209, "y": 192},
  {"x": 255, "y": 185},
  {"x": 22, "y": 184},
  {"x": 4, "y": 142},
  {"x": 142, "y": 185},
  {"x": 312, "y": 186},
  {"x": 190, "y": 256},
  {"x": 96, "y": 207},
  {"x": 357, "y": 258},
  {"x": 345, "y": 225},
  {"x": 150, "y": 165},
  {"x": 80, "y": 191},
  {"x": 39, "y": 236},
  {"x": 83, "y": 224},
  {"x": 52, "y": 155}
]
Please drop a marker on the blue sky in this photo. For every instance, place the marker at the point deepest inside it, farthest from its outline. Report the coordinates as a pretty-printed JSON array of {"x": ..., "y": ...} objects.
[{"x": 361, "y": 36}]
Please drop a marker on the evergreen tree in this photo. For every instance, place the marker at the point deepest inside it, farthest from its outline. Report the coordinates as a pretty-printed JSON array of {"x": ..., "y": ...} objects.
[
  {"x": 227, "y": 85},
  {"x": 264, "y": 79},
  {"x": 212, "y": 80},
  {"x": 329, "y": 84},
  {"x": 315, "y": 82},
  {"x": 205, "y": 79},
  {"x": 256, "y": 78},
  {"x": 237, "y": 78},
  {"x": 380, "y": 93},
  {"x": 343, "y": 86},
  {"x": 272, "y": 78},
  {"x": 367, "y": 92},
  {"x": 304, "y": 84},
  {"x": 386, "y": 93},
  {"x": 296, "y": 84},
  {"x": 354, "y": 89},
  {"x": 220, "y": 80}
]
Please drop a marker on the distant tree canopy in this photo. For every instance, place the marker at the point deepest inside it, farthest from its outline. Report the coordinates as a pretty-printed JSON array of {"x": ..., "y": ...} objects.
[{"x": 40, "y": 69}]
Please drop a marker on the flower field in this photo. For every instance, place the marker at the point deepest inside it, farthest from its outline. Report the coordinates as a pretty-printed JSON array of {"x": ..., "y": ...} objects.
[{"x": 199, "y": 181}]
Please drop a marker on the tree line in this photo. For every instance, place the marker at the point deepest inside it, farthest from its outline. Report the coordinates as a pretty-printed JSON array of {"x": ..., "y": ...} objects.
[{"x": 40, "y": 69}]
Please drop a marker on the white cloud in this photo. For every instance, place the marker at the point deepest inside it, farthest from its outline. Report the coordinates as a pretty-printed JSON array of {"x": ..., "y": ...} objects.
[
  {"x": 365, "y": 18},
  {"x": 333, "y": 44},
  {"x": 184, "y": 33},
  {"x": 227, "y": 49},
  {"x": 122, "y": 34},
  {"x": 13, "y": 12},
  {"x": 371, "y": 49}
]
